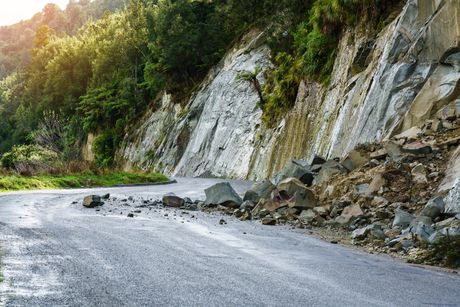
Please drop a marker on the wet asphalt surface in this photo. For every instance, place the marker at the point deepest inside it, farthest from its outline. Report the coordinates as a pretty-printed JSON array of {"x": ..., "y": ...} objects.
[{"x": 57, "y": 253}]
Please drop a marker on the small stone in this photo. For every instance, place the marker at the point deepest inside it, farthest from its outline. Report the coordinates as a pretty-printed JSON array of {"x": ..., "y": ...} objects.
[
  {"x": 417, "y": 148},
  {"x": 268, "y": 221},
  {"x": 382, "y": 214},
  {"x": 307, "y": 216},
  {"x": 419, "y": 174},
  {"x": 343, "y": 219},
  {"x": 321, "y": 211},
  {"x": 171, "y": 200},
  {"x": 92, "y": 201},
  {"x": 247, "y": 205},
  {"x": 362, "y": 188},
  {"x": 360, "y": 233},
  {"x": 379, "y": 201},
  {"x": 379, "y": 154},
  {"x": 394, "y": 151},
  {"x": 222, "y": 222},
  {"x": 106, "y": 196},
  {"x": 130, "y": 215},
  {"x": 376, "y": 184},
  {"x": 354, "y": 159},
  {"x": 410, "y": 134},
  {"x": 353, "y": 210},
  {"x": 317, "y": 160}
]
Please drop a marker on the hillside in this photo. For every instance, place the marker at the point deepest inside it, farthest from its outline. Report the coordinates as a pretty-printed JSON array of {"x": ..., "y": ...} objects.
[
  {"x": 340, "y": 92},
  {"x": 17, "y": 41}
]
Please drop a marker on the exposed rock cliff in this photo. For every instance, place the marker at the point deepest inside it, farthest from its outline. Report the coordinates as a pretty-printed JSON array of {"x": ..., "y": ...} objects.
[{"x": 380, "y": 86}]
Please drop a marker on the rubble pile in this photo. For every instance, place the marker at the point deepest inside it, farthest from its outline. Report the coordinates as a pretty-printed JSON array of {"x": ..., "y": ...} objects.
[{"x": 384, "y": 196}]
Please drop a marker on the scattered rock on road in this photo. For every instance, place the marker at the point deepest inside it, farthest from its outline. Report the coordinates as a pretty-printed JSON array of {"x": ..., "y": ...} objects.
[
  {"x": 92, "y": 201},
  {"x": 171, "y": 200}
]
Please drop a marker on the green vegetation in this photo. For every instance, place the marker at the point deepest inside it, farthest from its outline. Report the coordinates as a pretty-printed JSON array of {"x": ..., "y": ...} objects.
[
  {"x": 445, "y": 252},
  {"x": 85, "y": 71},
  {"x": 16, "y": 41},
  {"x": 311, "y": 50},
  {"x": 87, "y": 179}
]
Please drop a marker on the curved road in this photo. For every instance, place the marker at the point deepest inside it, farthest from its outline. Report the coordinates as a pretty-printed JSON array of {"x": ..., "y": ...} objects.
[{"x": 55, "y": 253}]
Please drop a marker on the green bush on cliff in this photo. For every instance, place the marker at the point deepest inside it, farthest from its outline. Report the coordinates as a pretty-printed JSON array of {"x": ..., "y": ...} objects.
[{"x": 313, "y": 50}]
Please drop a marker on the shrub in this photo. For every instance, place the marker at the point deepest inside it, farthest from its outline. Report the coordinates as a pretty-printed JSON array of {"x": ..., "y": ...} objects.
[
  {"x": 29, "y": 159},
  {"x": 280, "y": 90},
  {"x": 313, "y": 51},
  {"x": 445, "y": 252},
  {"x": 104, "y": 149}
]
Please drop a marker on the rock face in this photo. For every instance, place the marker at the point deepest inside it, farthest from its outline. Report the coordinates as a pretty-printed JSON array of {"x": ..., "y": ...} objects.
[
  {"x": 410, "y": 74},
  {"x": 215, "y": 134}
]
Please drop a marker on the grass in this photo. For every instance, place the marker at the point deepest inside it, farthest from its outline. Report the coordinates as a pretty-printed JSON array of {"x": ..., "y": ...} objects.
[{"x": 86, "y": 179}]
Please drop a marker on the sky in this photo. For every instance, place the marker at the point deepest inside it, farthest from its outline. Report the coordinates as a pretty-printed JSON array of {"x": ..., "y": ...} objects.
[{"x": 12, "y": 11}]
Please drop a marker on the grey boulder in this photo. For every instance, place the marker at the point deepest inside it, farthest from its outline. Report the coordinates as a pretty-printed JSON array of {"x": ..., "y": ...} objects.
[
  {"x": 354, "y": 159},
  {"x": 402, "y": 218},
  {"x": 328, "y": 170},
  {"x": 296, "y": 169},
  {"x": 222, "y": 194},
  {"x": 259, "y": 190},
  {"x": 297, "y": 194},
  {"x": 433, "y": 208}
]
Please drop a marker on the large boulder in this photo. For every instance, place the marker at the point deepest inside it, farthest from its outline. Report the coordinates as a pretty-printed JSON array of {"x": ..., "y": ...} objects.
[
  {"x": 92, "y": 201},
  {"x": 419, "y": 174},
  {"x": 296, "y": 169},
  {"x": 422, "y": 229},
  {"x": 353, "y": 210},
  {"x": 402, "y": 218},
  {"x": 259, "y": 190},
  {"x": 433, "y": 208},
  {"x": 394, "y": 151},
  {"x": 328, "y": 170},
  {"x": 222, "y": 194},
  {"x": 171, "y": 200},
  {"x": 297, "y": 194},
  {"x": 354, "y": 159}
]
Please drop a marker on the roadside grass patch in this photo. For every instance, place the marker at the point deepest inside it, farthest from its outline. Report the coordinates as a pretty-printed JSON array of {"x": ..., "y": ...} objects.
[{"x": 13, "y": 182}]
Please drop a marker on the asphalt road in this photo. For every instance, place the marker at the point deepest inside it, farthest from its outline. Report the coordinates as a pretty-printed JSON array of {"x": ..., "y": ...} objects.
[{"x": 55, "y": 253}]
